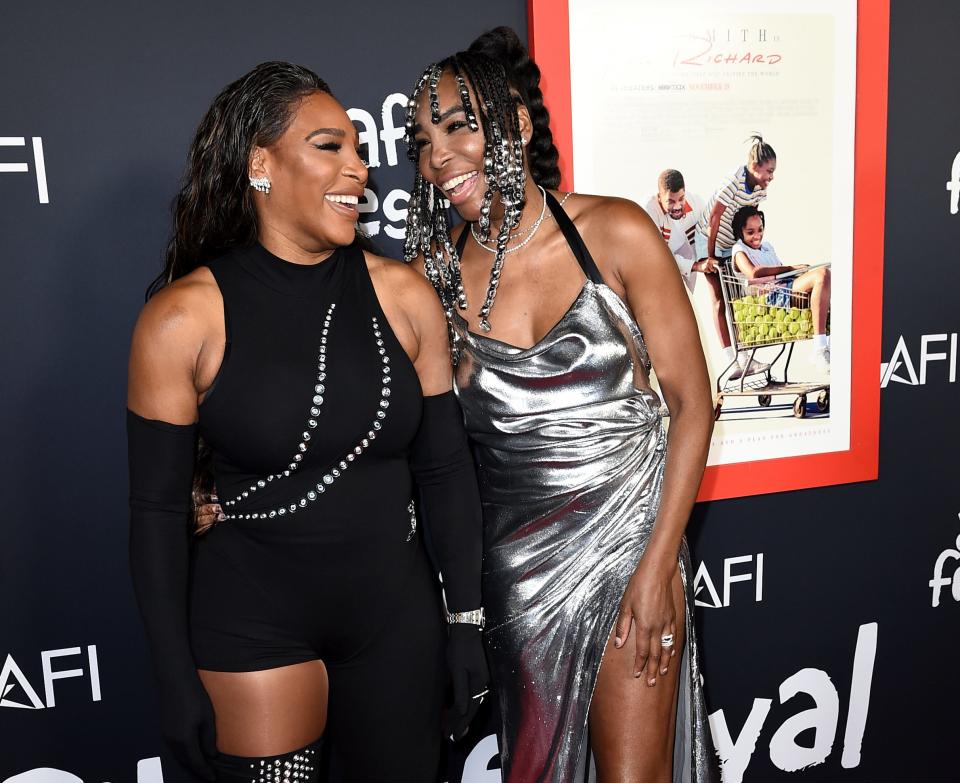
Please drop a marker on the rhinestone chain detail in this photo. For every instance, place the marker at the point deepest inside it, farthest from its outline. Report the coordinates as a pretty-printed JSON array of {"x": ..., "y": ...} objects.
[
  {"x": 317, "y": 402},
  {"x": 336, "y": 472},
  {"x": 411, "y": 509}
]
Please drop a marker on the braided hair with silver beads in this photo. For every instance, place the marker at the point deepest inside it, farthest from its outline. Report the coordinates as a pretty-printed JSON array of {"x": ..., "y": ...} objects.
[{"x": 428, "y": 229}]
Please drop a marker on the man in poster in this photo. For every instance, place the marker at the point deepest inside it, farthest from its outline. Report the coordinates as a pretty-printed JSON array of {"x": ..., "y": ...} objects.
[{"x": 677, "y": 216}]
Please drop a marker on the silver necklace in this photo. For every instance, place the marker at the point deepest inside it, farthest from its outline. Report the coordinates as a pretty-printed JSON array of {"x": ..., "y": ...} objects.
[{"x": 532, "y": 230}]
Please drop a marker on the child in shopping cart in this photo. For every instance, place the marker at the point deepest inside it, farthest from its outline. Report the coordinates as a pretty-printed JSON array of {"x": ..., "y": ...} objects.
[
  {"x": 756, "y": 260},
  {"x": 714, "y": 237}
]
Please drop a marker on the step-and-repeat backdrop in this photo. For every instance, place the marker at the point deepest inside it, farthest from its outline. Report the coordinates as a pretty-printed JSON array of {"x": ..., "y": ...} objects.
[{"x": 828, "y": 616}]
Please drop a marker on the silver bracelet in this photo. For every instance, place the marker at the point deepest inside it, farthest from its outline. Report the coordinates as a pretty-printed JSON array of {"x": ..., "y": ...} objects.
[{"x": 476, "y": 617}]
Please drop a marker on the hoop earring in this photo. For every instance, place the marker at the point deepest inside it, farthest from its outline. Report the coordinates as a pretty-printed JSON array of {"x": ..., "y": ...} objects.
[{"x": 260, "y": 183}]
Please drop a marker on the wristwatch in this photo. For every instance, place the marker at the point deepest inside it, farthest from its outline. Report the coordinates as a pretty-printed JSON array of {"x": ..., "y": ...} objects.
[{"x": 476, "y": 617}]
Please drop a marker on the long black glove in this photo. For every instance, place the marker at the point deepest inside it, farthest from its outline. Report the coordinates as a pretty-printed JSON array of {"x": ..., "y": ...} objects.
[
  {"x": 443, "y": 469},
  {"x": 161, "y": 458}
]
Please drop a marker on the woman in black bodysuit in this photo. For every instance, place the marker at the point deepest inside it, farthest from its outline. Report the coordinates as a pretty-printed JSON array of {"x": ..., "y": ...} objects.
[{"x": 319, "y": 376}]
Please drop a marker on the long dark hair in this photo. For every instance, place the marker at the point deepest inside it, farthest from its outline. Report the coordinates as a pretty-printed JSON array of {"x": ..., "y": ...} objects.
[{"x": 213, "y": 211}]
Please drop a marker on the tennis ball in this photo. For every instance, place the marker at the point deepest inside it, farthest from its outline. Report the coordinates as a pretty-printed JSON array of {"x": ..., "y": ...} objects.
[
  {"x": 779, "y": 313},
  {"x": 763, "y": 330},
  {"x": 794, "y": 313},
  {"x": 794, "y": 327},
  {"x": 769, "y": 318}
]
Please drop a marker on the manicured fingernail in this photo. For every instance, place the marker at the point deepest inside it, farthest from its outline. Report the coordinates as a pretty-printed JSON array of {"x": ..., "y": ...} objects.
[
  {"x": 652, "y": 681},
  {"x": 221, "y": 517},
  {"x": 637, "y": 674},
  {"x": 617, "y": 641},
  {"x": 663, "y": 671},
  {"x": 673, "y": 653}
]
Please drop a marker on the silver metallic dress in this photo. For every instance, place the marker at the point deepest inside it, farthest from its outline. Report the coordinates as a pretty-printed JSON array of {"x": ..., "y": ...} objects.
[{"x": 570, "y": 449}]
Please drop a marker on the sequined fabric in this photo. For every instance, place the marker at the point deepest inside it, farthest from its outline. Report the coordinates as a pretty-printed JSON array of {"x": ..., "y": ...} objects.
[{"x": 570, "y": 449}]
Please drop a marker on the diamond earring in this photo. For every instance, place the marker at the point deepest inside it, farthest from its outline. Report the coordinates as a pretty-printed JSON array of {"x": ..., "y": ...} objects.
[{"x": 260, "y": 183}]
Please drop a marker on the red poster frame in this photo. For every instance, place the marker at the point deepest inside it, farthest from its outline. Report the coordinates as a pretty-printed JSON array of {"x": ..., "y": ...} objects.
[{"x": 550, "y": 45}]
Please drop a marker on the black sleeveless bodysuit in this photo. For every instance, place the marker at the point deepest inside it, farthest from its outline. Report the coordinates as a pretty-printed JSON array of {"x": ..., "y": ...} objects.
[{"x": 310, "y": 420}]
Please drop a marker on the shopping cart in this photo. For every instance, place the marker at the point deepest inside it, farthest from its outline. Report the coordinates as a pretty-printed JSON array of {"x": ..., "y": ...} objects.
[{"x": 761, "y": 316}]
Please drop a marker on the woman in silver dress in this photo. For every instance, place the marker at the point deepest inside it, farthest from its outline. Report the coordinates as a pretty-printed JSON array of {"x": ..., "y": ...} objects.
[{"x": 587, "y": 577}]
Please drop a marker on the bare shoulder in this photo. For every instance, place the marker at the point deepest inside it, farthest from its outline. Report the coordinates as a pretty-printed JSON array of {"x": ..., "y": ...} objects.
[
  {"x": 404, "y": 287},
  {"x": 181, "y": 311},
  {"x": 611, "y": 220},
  {"x": 169, "y": 340},
  {"x": 622, "y": 238},
  {"x": 397, "y": 277}
]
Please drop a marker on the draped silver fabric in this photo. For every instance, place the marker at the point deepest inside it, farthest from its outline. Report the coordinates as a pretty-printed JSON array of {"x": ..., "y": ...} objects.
[{"x": 570, "y": 449}]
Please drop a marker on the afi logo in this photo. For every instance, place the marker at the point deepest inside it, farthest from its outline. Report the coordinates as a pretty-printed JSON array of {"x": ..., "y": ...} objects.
[
  {"x": 39, "y": 167},
  {"x": 902, "y": 369},
  {"x": 953, "y": 185},
  {"x": 702, "y": 580},
  {"x": 395, "y": 202},
  {"x": 11, "y": 676},
  {"x": 940, "y": 581}
]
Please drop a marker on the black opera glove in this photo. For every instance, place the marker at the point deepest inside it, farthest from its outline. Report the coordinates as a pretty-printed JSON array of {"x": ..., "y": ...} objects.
[
  {"x": 161, "y": 458},
  {"x": 443, "y": 470},
  {"x": 467, "y": 664}
]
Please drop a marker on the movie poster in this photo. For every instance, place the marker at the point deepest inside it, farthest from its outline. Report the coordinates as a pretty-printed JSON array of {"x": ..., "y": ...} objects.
[{"x": 667, "y": 99}]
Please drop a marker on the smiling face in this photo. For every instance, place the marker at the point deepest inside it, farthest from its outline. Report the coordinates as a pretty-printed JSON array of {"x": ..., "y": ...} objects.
[
  {"x": 753, "y": 232},
  {"x": 762, "y": 173},
  {"x": 450, "y": 154},
  {"x": 316, "y": 174},
  {"x": 673, "y": 203}
]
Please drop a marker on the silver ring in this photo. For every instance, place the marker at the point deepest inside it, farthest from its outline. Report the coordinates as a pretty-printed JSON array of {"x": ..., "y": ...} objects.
[
  {"x": 480, "y": 695},
  {"x": 666, "y": 640}
]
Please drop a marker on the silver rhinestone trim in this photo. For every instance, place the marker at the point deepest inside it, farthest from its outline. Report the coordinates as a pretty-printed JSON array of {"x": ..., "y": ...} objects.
[
  {"x": 411, "y": 509},
  {"x": 311, "y": 424},
  {"x": 344, "y": 464}
]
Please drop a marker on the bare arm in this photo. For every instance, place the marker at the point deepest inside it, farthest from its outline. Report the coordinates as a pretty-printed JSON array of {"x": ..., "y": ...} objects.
[
  {"x": 715, "y": 216},
  {"x": 655, "y": 294},
  {"x": 165, "y": 353},
  {"x": 168, "y": 342},
  {"x": 753, "y": 272},
  {"x": 443, "y": 470}
]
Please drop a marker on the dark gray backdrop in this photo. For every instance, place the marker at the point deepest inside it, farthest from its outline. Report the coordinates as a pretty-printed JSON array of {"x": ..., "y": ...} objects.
[{"x": 115, "y": 92}]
